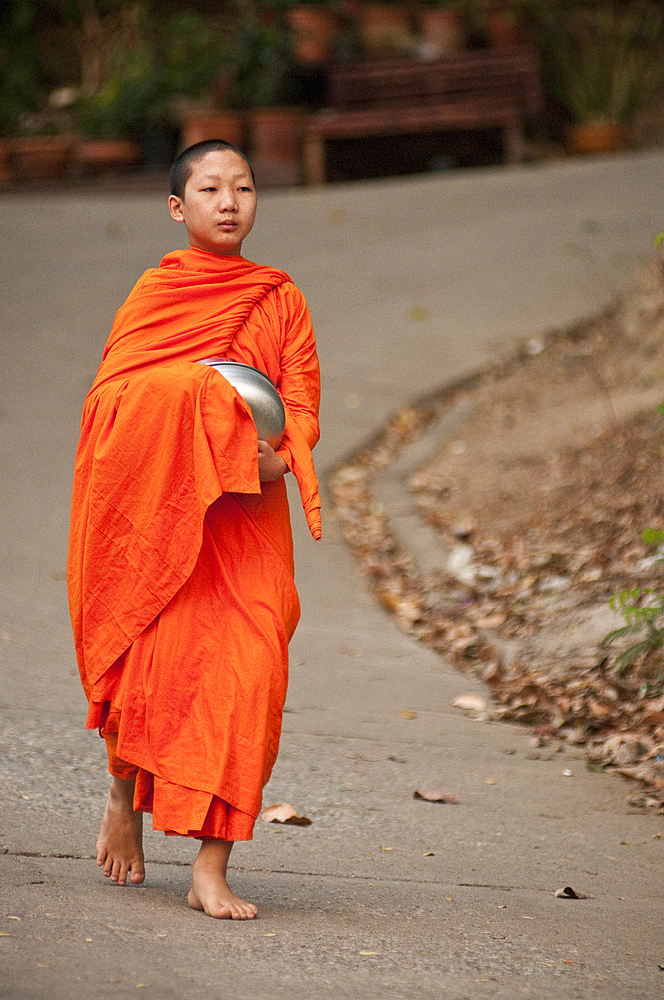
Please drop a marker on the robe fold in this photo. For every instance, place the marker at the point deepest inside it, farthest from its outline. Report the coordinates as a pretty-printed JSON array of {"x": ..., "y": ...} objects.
[{"x": 180, "y": 567}]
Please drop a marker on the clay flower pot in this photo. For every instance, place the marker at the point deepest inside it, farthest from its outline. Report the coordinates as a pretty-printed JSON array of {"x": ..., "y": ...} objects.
[
  {"x": 313, "y": 32},
  {"x": 504, "y": 28},
  {"x": 385, "y": 29},
  {"x": 443, "y": 31},
  {"x": 226, "y": 125},
  {"x": 6, "y": 165},
  {"x": 100, "y": 155},
  {"x": 41, "y": 156},
  {"x": 276, "y": 145},
  {"x": 588, "y": 138}
]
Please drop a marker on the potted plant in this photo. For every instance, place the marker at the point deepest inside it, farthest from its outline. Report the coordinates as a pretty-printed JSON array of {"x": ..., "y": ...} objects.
[
  {"x": 443, "y": 27},
  {"x": 603, "y": 64},
  {"x": 198, "y": 71},
  {"x": 109, "y": 135},
  {"x": 263, "y": 89},
  {"x": 505, "y": 22},
  {"x": 19, "y": 79},
  {"x": 386, "y": 29},
  {"x": 314, "y": 28},
  {"x": 43, "y": 145}
]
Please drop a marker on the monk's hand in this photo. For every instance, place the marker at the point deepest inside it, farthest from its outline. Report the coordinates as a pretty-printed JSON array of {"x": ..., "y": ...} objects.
[{"x": 270, "y": 465}]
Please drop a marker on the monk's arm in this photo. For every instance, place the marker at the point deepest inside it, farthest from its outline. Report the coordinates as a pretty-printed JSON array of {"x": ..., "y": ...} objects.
[{"x": 299, "y": 384}]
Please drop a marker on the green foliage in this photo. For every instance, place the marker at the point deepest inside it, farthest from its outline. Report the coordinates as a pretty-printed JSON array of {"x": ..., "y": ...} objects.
[
  {"x": 263, "y": 60},
  {"x": 194, "y": 51},
  {"x": 641, "y": 618},
  {"x": 642, "y": 613},
  {"x": 19, "y": 71},
  {"x": 653, "y": 536},
  {"x": 604, "y": 62}
]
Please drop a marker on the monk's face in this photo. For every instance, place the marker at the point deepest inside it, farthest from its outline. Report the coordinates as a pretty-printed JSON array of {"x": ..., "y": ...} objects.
[{"x": 219, "y": 203}]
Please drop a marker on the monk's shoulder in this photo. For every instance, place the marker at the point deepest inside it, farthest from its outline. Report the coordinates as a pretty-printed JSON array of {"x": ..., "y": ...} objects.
[{"x": 286, "y": 300}]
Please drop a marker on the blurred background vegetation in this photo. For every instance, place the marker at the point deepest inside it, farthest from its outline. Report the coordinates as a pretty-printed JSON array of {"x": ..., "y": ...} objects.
[{"x": 141, "y": 70}]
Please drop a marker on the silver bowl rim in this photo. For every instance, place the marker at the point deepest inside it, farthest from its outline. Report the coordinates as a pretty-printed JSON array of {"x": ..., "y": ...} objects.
[{"x": 238, "y": 364}]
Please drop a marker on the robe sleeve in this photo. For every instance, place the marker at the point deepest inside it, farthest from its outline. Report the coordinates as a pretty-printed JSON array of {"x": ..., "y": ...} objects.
[
  {"x": 299, "y": 383},
  {"x": 279, "y": 328}
]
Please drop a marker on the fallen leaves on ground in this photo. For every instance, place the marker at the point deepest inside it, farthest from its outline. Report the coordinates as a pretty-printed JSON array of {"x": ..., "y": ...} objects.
[
  {"x": 449, "y": 798},
  {"x": 550, "y": 536},
  {"x": 283, "y": 812},
  {"x": 569, "y": 893},
  {"x": 470, "y": 703}
]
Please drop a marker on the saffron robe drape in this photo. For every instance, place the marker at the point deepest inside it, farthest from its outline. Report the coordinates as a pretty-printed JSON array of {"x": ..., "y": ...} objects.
[{"x": 180, "y": 568}]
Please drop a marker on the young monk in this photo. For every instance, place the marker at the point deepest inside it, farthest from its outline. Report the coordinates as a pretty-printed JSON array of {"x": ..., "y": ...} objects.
[{"x": 181, "y": 561}]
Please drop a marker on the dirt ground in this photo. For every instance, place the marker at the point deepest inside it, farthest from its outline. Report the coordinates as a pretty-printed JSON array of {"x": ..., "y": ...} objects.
[{"x": 540, "y": 500}]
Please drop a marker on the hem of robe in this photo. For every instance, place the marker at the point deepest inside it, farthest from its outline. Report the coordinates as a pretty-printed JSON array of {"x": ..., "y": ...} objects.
[{"x": 176, "y": 810}]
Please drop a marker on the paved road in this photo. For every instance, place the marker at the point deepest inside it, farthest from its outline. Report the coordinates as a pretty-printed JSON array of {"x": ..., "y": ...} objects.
[{"x": 411, "y": 283}]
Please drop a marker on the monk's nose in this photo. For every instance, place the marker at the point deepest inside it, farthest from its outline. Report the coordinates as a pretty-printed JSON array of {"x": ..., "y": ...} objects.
[{"x": 227, "y": 202}]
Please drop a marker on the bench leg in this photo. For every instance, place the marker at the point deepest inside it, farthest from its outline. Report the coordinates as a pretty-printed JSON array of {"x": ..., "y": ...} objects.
[
  {"x": 513, "y": 143},
  {"x": 314, "y": 160}
]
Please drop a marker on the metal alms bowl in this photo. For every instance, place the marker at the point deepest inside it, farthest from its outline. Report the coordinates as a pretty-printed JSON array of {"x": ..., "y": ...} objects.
[{"x": 258, "y": 391}]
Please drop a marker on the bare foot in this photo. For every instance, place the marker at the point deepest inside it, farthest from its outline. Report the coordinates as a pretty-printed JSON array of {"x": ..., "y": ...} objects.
[
  {"x": 120, "y": 841},
  {"x": 210, "y": 891}
]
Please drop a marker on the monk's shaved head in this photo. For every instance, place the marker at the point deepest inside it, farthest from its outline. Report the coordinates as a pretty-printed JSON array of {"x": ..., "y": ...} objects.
[{"x": 184, "y": 164}]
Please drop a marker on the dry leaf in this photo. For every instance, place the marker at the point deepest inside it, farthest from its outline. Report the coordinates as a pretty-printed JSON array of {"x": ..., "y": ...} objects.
[
  {"x": 569, "y": 893},
  {"x": 492, "y": 621},
  {"x": 470, "y": 703},
  {"x": 449, "y": 798},
  {"x": 283, "y": 812},
  {"x": 369, "y": 953},
  {"x": 381, "y": 848},
  {"x": 407, "y": 715}
]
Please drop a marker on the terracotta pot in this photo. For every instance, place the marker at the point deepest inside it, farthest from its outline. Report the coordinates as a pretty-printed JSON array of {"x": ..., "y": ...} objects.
[
  {"x": 99, "y": 155},
  {"x": 385, "y": 29},
  {"x": 504, "y": 28},
  {"x": 313, "y": 30},
  {"x": 42, "y": 156},
  {"x": 6, "y": 165},
  {"x": 597, "y": 137},
  {"x": 227, "y": 125},
  {"x": 276, "y": 145},
  {"x": 443, "y": 31}
]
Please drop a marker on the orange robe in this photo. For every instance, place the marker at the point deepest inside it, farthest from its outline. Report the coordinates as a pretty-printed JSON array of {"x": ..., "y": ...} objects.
[{"x": 180, "y": 568}]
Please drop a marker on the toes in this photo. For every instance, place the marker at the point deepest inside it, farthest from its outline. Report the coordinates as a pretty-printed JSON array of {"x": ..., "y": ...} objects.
[{"x": 137, "y": 875}]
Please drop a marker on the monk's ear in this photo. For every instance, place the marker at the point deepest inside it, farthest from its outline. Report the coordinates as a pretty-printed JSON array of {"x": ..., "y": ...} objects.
[{"x": 175, "y": 208}]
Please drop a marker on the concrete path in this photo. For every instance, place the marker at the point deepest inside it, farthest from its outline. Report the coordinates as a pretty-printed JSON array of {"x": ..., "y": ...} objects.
[{"x": 411, "y": 283}]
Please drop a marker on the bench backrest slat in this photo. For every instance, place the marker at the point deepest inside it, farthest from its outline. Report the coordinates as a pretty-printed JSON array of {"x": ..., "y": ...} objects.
[{"x": 511, "y": 74}]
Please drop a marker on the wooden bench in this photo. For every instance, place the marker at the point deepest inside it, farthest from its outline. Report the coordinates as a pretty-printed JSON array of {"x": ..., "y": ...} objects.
[{"x": 477, "y": 89}]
